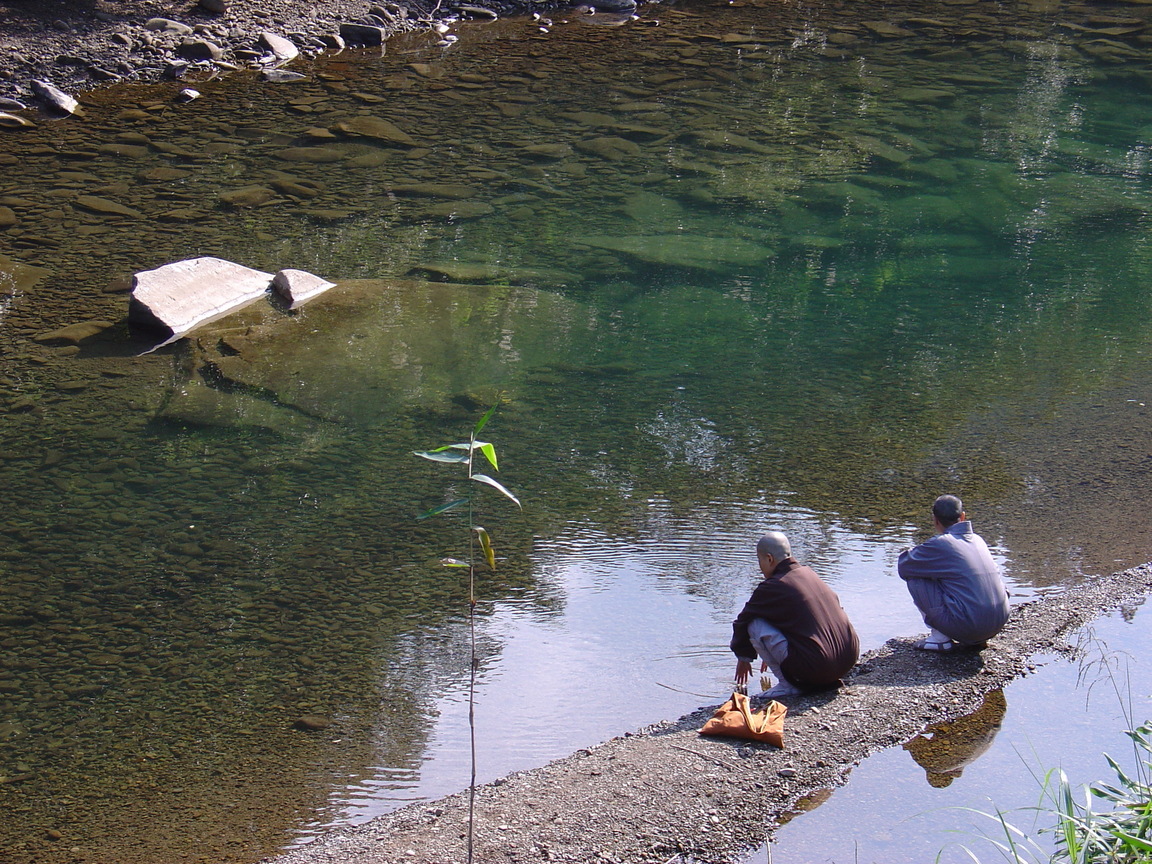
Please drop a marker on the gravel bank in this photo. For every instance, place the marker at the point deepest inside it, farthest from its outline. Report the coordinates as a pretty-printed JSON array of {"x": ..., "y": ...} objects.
[
  {"x": 78, "y": 45},
  {"x": 664, "y": 794}
]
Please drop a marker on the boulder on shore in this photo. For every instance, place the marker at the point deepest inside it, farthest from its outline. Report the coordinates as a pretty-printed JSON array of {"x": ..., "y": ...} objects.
[{"x": 176, "y": 298}]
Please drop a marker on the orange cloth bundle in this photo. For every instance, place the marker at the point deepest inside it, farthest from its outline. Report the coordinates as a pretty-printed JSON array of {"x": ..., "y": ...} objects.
[{"x": 737, "y": 719}]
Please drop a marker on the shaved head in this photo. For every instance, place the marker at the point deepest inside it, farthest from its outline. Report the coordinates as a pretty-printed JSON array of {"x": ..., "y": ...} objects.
[
  {"x": 776, "y": 544},
  {"x": 948, "y": 509}
]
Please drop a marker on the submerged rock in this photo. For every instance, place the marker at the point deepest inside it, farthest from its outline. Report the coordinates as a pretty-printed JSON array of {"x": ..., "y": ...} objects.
[
  {"x": 459, "y": 210},
  {"x": 487, "y": 274},
  {"x": 309, "y": 154},
  {"x": 283, "y": 76},
  {"x": 17, "y": 277},
  {"x": 176, "y": 298},
  {"x": 434, "y": 190},
  {"x": 547, "y": 151},
  {"x": 200, "y": 405},
  {"x": 312, "y": 723},
  {"x": 107, "y": 207},
  {"x": 358, "y": 351},
  {"x": 375, "y": 128},
  {"x": 610, "y": 148},
  {"x": 684, "y": 250},
  {"x": 247, "y": 196},
  {"x": 13, "y": 121},
  {"x": 74, "y": 334},
  {"x": 712, "y": 139}
]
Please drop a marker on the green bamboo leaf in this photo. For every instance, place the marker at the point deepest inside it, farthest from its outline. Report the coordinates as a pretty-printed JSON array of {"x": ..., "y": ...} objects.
[
  {"x": 484, "y": 478},
  {"x": 483, "y": 421},
  {"x": 474, "y": 445},
  {"x": 1132, "y": 841},
  {"x": 442, "y": 508},
  {"x": 453, "y": 562},
  {"x": 489, "y": 453},
  {"x": 438, "y": 456},
  {"x": 486, "y": 546}
]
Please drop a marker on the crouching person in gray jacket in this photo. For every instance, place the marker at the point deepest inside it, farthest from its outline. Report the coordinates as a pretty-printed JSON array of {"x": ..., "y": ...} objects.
[{"x": 954, "y": 582}]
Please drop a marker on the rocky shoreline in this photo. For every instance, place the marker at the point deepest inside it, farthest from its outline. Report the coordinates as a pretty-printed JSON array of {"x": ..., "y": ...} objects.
[
  {"x": 665, "y": 794},
  {"x": 77, "y": 46}
]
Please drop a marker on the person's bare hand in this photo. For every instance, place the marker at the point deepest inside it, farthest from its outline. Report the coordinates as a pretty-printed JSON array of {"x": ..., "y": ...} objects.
[{"x": 743, "y": 673}]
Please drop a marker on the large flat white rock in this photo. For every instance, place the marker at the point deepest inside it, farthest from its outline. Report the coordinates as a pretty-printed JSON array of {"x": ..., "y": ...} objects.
[{"x": 177, "y": 298}]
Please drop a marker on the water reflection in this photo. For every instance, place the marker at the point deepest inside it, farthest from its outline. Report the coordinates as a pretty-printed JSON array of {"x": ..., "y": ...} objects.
[
  {"x": 886, "y": 813},
  {"x": 944, "y": 750}
]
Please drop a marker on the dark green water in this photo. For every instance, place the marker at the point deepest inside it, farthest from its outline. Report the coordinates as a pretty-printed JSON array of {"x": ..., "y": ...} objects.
[{"x": 752, "y": 266}]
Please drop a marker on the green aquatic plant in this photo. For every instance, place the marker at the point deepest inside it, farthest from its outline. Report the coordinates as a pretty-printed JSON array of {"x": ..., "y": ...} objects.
[
  {"x": 1083, "y": 835},
  {"x": 1120, "y": 834},
  {"x": 464, "y": 455}
]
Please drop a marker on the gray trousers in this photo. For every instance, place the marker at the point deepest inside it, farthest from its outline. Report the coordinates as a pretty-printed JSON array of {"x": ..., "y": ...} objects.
[
  {"x": 929, "y": 599},
  {"x": 770, "y": 644}
]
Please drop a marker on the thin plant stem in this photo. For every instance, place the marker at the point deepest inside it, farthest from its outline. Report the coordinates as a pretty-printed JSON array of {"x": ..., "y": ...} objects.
[
  {"x": 472, "y": 652},
  {"x": 475, "y": 534}
]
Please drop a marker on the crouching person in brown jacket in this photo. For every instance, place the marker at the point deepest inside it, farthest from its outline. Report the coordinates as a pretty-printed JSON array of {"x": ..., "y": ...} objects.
[{"x": 794, "y": 622}]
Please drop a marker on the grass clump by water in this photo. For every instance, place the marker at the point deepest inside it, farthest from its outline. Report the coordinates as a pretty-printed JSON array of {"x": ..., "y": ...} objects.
[
  {"x": 1120, "y": 832},
  {"x": 1084, "y": 835}
]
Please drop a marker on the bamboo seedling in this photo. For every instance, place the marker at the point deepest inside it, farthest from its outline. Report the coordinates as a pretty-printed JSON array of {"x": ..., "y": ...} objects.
[{"x": 464, "y": 454}]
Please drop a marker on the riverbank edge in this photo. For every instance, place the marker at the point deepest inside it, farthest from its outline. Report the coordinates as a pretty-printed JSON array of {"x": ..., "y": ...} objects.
[
  {"x": 666, "y": 794},
  {"x": 83, "y": 47}
]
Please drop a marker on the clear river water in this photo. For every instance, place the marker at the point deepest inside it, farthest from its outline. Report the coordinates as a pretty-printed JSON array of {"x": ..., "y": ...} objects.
[{"x": 725, "y": 267}]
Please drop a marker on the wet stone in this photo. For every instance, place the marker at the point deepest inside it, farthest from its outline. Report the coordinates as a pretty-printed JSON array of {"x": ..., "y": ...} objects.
[
  {"x": 283, "y": 76},
  {"x": 247, "y": 196},
  {"x": 721, "y": 140},
  {"x": 434, "y": 190},
  {"x": 106, "y": 207},
  {"x": 609, "y": 148},
  {"x": 184, "y": 215},
  {"x": 684, "y": 250},
  {"x": 130, "y": 151},
  {"x": 459, "y": 210},
  {"x": 309, "y": 154},
  {"x": 888, "y": 30},
  {"x": 548, "y": 151},
  {"x": 924, "y": 94},
  {"x": 54, "y": 97},
  {"x": 375, "y": 128},
  {"x": 298, "y": 287},
  {"x": 328, "y": 215},
  {"x": 14, "y": 121},
  {"x": 163, "y": 174},
  {"x": 74, "y": 333}
]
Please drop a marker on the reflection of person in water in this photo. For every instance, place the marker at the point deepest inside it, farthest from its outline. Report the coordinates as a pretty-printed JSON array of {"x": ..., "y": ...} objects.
[{"x": 946, "y": 749}]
